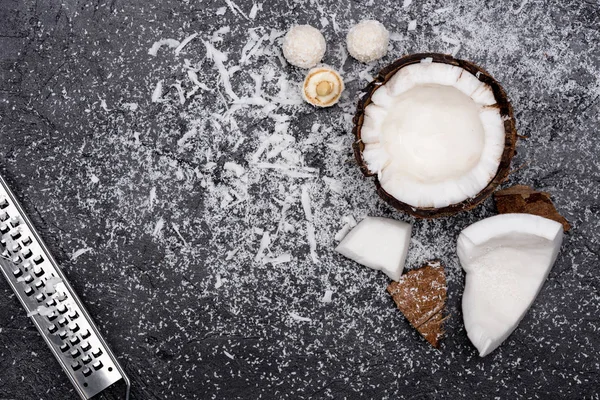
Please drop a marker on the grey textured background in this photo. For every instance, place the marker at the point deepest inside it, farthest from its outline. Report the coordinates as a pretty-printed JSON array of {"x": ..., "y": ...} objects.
[{"x": 83, "y": 164}]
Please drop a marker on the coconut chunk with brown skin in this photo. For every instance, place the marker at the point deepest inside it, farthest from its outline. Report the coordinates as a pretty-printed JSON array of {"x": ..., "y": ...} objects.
[
  {"x": 433, "y": 135},
  {"x": 378, "y": 243},
  {"x": 420, "y": 295}
]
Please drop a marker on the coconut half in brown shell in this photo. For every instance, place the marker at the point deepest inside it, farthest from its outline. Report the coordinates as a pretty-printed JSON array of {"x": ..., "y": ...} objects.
[{"x": 432, "y": 126}]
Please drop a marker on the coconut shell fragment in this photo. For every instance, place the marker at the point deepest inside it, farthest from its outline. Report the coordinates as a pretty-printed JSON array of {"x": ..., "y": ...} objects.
[
  {"x": 524, "y": 199},
  {"x": 421, "y": 296}
]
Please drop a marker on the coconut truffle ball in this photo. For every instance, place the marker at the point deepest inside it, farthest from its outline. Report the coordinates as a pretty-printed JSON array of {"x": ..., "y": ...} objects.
[
  {"x": 368, "y": 41},
  {"x": 303, "y": 46}
]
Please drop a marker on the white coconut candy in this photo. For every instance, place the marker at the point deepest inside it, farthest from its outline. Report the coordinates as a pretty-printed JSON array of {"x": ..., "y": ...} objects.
[
  {"x": 304, "y": 46},
  {"x": 378, "y": 243},
  {"x": 506, "y": 258},
  {"x": 368, "y": 41},
  {"x": 433, "y": 135}
]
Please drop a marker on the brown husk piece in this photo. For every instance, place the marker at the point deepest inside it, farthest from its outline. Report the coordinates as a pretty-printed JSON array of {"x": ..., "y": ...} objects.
[
  {"x": 421, "y": 296},
  {"x": 524, "y": 199},
  {"x": 502, "y": 103}
]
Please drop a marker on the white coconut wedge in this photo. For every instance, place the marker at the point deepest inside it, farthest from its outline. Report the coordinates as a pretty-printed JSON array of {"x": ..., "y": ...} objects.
[
  {"x": 438, "y": 133},
  {"x": 378, "y": 243},
  {"x": 506, "y": 258}
]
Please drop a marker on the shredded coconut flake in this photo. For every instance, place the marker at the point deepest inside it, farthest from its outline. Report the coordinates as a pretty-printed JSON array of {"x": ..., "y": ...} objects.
[
  {"x": 280, "y": 259},
  {"x": 157, "y": 94},
  {"x": 237, "y": 169},
  {"x": 80, "y": 252},
  {"x": 327, "y": 296},
  {"x": 297, "y": 317},
  {"x": 184, "y": 43},
  {"x": 264, "y": 243},
  {"x": 153, "y": 51}
]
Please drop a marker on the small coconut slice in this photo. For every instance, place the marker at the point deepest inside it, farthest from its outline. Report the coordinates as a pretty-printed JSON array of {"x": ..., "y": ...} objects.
[
  {"x": 322, "y": 87},
  {"x": 437, "y": 132},
  {"x": 507, "y": 259},
  {"x": 421, "y": 296},
  {"x": 378, "y": 243}
]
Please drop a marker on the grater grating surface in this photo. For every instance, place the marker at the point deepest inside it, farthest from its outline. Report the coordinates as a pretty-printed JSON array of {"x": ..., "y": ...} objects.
[{"x": 52, "y": 304}]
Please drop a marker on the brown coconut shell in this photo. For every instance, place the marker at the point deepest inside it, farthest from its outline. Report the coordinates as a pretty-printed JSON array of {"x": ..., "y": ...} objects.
[
  {"x": 421, "y": 296},
  {"x": 502, "y": 104}
]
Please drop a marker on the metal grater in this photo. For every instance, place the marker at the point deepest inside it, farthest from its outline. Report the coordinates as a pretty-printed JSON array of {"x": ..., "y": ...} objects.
[{"x": 52, "y": 304}]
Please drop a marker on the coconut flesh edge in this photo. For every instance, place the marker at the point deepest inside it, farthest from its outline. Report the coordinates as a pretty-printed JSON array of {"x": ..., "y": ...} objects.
[
  {"x": 506, "y": 258},
  {"x": 433, "y": 135}
]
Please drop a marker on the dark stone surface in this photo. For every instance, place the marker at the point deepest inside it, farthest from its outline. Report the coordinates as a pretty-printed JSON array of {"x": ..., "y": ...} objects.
[{"x": 84, "y": 165}]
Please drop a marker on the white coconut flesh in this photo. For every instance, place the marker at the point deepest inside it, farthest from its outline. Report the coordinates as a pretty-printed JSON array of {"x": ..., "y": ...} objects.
[
  {"x": 378, "y": 243},
  {"x": 506, "y": 258},
  {"x": 433, "y": 135}
]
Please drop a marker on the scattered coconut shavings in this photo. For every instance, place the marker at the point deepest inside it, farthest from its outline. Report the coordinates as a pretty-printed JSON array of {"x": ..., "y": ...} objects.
[
  {"x": 312, "y": 241},
  {"x": 51, "y": 283},
  {"x": 334, "y": 185},
  {"x": 264, "y": 243},
  {"x": 289, "y": 170},
  {"x": 297, "y": 317},
  {"x": 230, "y": 254},
  {"x": 176, "y": 229},
  {"x": 219, "y": 58},
  {"x": 421, "y": 296},
  {"x": 280, "y": 259},
  {"x": 184, "y": 43},
  {"x": 237, "y": 169},
  {"x": 523, "y": 4},
  {"x": 305, "y": 198},
  {"x": 365, "y": 74},
  {"x": 153, "y": 51},
  {"x": 254, "y": 11},
  {"x": 221, "y": 11},
  {"x": 217, "y": 35},
  {"x": 395, "y": 37},
  {"x": 524, "y": 199},
  {"x": 443, "y": 10},
  {"x": 327, "y": 296},
  {"x": 179, "y": 89},
  {"x": 452, "y": 41},
  {"x": 349, "y": 223},
  {"x": 160, "y": 224},
  {"x": 235, "y": 9},
  {"x": 229, "y": 355},
  {"x": 219, "y": 282},
  {"x": 79, "y": 253},
  {"x": 157, "y": 94}
]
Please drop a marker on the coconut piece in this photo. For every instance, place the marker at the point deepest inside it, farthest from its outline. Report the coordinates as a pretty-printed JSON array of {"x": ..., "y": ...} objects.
[
  {"x": 506, "y": 259},
  {"x": 438, "y": 133},
  {"x": 304, "y": 46},
  {"x": 524, "y": 199},
  {"x": 322, "y": 87},
  {"x": 421, "y": 296},
  {"x": 378, "y": 243},
  {"x": 368, "y": 41}
]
